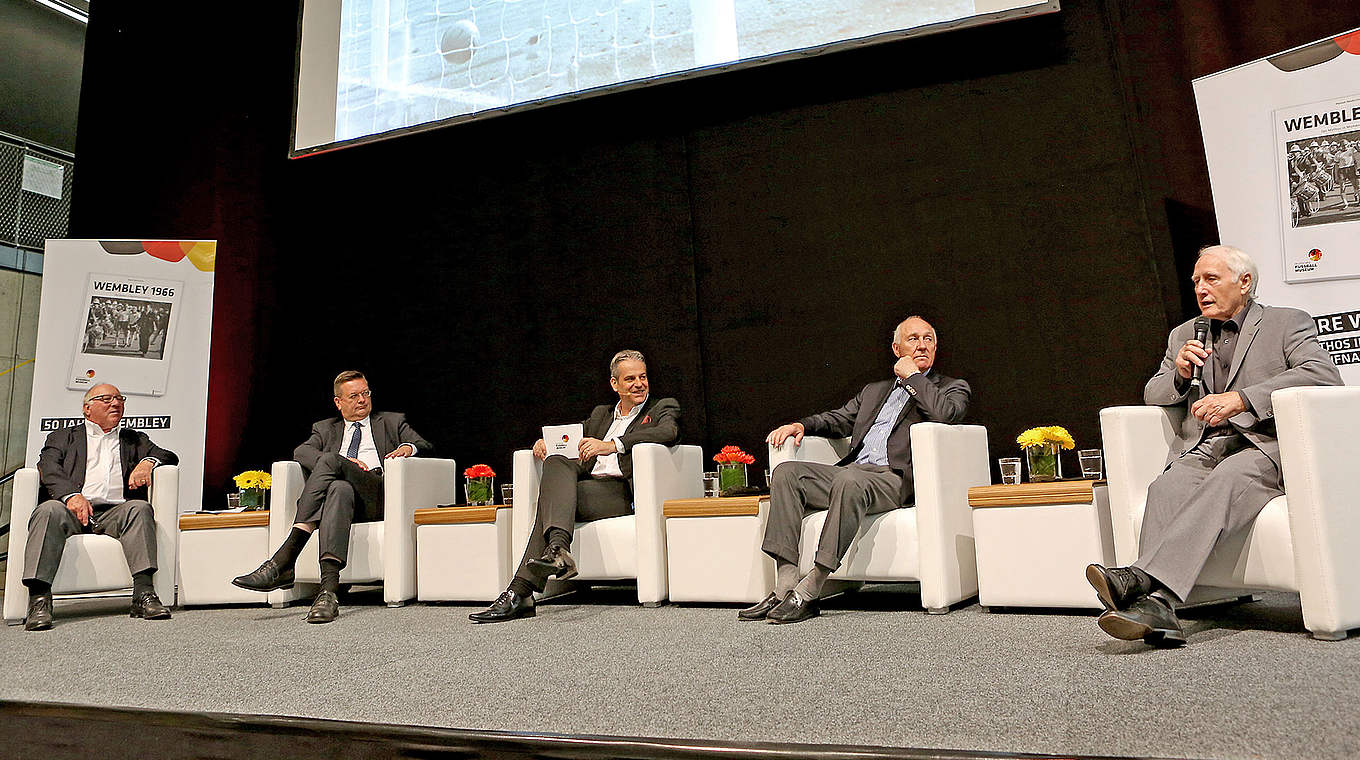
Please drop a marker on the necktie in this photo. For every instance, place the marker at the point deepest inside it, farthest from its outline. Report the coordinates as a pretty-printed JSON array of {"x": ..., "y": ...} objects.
[{"x": 353, "y": 451}]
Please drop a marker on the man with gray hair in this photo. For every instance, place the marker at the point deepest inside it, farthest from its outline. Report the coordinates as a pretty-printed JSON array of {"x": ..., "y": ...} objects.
[
  {"x": 94, "y": 480},
  {"x": 874, "y": 477},
  {"x": 1224, "y": 466},
  {"x": 597, "y": 485}
]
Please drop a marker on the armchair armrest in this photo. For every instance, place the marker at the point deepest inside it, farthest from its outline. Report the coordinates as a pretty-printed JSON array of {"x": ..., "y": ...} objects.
[
  {"x": 527, "y": 471},
  {"x": 814, "y": 448},
  {"x": 165, "y": 508},
  {"x": 285, "y": 488},
  {"x": 410, "y": 483},
  {"x": 22, "y": 503},
  {"x": 947, "y": 460},
  {"x": 1137, "y": 440},
  {"x": 660, "y": 473},
  {"x": 1318, "y": 451}
]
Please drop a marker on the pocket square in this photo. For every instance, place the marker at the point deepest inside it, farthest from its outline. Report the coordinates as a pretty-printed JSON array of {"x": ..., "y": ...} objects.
[{"x": 646, "y": 419}]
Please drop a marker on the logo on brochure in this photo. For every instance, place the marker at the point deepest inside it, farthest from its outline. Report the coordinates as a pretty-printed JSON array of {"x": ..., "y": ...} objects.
[
  {"x": 565, "y": 438},
  {"x": 1313, "y": 257}
]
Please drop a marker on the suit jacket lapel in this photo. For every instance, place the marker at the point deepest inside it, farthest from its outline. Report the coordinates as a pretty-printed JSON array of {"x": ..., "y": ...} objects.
[
  {"x": 381, "y": 440},
  {"x": 1249, "y": 330},
  {"x": 79, "y": 445}
]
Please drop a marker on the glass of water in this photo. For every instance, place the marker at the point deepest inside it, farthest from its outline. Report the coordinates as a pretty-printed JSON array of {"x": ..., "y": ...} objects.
[
  {"x": 1010, "y": 470},
  {"x": 711, "y": 485},
  {"x": 508, "y": 494},
  {"x": 1090, "y": 463}
]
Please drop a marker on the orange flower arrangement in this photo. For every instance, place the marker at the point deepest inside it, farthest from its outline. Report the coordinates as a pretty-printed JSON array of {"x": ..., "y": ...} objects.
[
  {"x": 479, "y": 471},
  {"x": 733, "y": 455}
]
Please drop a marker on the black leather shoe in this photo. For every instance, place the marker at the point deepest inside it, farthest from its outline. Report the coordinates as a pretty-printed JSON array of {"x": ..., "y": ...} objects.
[
  {"x": 1147, "y": 618},
  {"x": 1118, "y": 587},
  {"x": 39, "y": 613},
  {"x": 267, "y": 577},
  {"x": 148, "y": 607},
  {"x": 507, "y": 606},
  {"x": 793, "y": 610},
  {"x": 555, "y": 561},
  {"x": 325, "y": 609},
  {"x": 760, "y": 609}
]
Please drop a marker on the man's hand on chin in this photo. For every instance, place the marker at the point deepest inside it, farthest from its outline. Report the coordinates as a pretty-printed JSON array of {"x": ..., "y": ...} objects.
[{"x": 905, "y": 367}]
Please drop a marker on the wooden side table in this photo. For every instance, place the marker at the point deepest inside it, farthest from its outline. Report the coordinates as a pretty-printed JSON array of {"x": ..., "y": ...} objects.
[
  {"x": 1034, "y": 541},
  {"x": 213, "y": 549},
  {"x": 713, "y": 549},
  {"x": 462, "y": 553}
]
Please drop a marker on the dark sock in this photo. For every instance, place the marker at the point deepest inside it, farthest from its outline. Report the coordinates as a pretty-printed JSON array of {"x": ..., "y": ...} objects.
[
  {"x": 557, "y": 537},
  {"x": 521, "y": 587},
  {"x": 38, "y": 588},
  {"x": 291, "y": 547},
  {"x": 330, "y": 575},
  {"x": 141, "y": 584}
]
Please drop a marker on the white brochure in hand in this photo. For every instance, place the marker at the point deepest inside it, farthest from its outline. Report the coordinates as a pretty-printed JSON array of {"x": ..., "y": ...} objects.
[{"x": 563, "y": 440}]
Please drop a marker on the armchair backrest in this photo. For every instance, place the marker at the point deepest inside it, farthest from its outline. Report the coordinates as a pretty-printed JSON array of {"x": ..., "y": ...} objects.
[{"x": 1137, "y": 441}]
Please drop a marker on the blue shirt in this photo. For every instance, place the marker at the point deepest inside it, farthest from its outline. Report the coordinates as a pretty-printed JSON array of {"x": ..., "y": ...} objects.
[{"x": 875, "y": 448}]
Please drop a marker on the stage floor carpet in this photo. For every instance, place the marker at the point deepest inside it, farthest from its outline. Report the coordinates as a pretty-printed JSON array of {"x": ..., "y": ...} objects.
[{"x": 874, "y": 669}]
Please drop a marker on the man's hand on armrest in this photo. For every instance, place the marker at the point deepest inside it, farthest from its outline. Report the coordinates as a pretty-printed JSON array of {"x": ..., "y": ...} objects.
[
  {"x": 781, "y": 433},
  {"x": 404, "y": 450}
]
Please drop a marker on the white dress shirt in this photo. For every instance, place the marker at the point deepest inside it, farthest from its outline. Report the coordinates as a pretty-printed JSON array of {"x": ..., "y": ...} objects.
[
  {"x": 103, "y": 466},
  {"x": 368, "y": 450},
  {"x": 607, "y": 465}
]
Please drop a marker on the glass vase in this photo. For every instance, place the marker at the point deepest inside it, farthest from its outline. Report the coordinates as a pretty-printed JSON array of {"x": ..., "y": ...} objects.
[
  {"x": 252, "y": 499},
  {"x": 480, "y": 491},
  {"x": 731, "y": 476},
  {"x": 1044, "y": 463}
]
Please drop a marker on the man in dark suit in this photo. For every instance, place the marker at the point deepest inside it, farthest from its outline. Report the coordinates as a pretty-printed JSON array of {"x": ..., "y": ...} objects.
[
  {"x": 343, "y": 460},
  {"x": 83, "y": 470},
  {"x": 597, "y": 485},
  {"x": 874, "y": 477},
  {"x": 1224, "y": 465}
]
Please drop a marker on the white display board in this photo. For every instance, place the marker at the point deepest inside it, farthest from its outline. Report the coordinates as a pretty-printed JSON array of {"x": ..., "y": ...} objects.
[
  {"x": 1282, "y": 139},
  {"x": 137, "y": 314}
]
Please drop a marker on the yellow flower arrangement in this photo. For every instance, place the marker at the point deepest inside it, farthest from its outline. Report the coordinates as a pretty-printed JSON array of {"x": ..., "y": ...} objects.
[
  {"x": 252, "y": 479},
  {"x": 1038, "y": 436}
]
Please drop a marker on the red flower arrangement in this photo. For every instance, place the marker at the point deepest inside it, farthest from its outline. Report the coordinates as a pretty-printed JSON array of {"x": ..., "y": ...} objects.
[
  {"x": 479, "y": 471},
  {"x": 733, "y": 455}
]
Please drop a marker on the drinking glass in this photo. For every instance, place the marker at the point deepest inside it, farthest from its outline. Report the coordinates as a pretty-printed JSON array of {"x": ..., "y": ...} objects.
[{"x": 1010, "y": 470}]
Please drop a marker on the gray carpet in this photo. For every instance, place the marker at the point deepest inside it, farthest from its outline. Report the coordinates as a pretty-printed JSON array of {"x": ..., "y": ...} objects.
[{"x": 874, "y": 669}]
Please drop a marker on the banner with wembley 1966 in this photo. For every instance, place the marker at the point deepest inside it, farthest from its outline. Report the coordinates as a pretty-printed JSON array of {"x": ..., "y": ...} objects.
[
  {"x": 1282, "y": 140},
  {"x": 136, "y": 314}
]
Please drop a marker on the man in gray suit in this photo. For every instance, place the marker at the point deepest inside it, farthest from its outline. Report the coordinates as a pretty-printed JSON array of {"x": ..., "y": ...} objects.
[
  {"x": 874, "y": 477},
  {"x": 343, "y": 459},
  {"x": 94, "y": 480},
  {"x": 1224, "y": 466}
]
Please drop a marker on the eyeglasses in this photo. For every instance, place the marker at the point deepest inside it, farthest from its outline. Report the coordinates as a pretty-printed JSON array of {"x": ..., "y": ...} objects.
[
  {"x": 357, "y": 396},
  {"x": 107, "y": 399}
]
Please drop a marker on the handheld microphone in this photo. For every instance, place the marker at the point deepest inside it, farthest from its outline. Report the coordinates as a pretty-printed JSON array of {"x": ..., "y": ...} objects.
[{"x": 1201, "y": 335}]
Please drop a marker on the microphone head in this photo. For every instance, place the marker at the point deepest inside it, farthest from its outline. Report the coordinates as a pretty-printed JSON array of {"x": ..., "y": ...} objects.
[{"x": 1201, "y": 327}]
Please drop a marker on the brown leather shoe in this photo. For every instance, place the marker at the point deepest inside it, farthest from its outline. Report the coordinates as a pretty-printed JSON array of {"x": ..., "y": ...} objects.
[
  {"x": 39, "y": 613},
  {"x": 148, "y": 607},
  {"x": 760, "y": 609},
  {"x": 325, "y": 609},
  {"x": 1147, "y": 618},
  {"x": 793, "y": 610}
]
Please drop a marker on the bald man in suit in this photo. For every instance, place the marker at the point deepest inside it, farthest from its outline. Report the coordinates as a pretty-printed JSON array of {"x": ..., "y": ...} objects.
[{"x": 1224, "y": 466}]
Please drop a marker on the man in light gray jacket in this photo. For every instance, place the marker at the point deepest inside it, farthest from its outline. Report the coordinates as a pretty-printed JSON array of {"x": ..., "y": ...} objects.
[{"x": 1224, "y": 465}]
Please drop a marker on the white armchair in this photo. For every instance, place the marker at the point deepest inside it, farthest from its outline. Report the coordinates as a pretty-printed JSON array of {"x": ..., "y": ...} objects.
[
  {"x": 630, "y": 546},
  {"x": 931, "y": 541},
  {"x": 1307, "y": 541},
  {"x": 380, "y": 551},
  {"x": 91, "y": 562}
]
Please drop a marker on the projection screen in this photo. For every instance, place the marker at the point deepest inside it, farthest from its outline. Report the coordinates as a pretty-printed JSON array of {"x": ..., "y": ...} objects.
[{"x": 375, "y": 69}]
